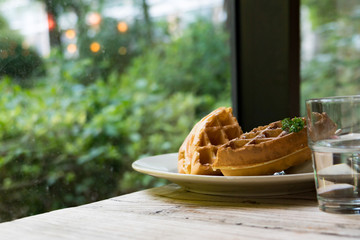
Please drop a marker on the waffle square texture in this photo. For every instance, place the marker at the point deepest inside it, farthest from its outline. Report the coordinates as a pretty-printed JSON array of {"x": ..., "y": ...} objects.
[
  {"x": 199, "y": 150},
  {"x": 264, "y": 150}
]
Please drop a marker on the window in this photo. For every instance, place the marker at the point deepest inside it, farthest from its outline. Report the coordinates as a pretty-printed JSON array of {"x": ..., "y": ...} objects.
[
  {"x": 90, "y": 86},
  {"x": 274, "y": 38},
  {"x": 265, "y": 60}
]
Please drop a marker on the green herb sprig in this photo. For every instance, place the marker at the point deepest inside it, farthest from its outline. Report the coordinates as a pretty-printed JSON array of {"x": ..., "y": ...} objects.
[{"x": 292, "y": 125}]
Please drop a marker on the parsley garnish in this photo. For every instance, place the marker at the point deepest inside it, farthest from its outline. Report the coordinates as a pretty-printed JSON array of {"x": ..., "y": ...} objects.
[{"x": 292, "y": 125}]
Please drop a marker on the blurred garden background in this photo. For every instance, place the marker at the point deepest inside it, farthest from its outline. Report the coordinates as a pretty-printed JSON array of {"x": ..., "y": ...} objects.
[
  {"x": 330, "y": 49},
  {"x": 88, "y": 87}
]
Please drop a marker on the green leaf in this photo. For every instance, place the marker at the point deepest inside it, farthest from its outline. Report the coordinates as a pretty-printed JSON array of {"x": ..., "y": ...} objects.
[{"x": 292, "y": 125}]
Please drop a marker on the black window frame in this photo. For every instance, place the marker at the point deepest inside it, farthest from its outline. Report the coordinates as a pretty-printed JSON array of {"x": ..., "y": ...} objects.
[{"x": 265, "y": 58}]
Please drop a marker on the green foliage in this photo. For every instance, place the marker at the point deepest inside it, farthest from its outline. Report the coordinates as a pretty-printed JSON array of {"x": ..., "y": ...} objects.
[
  {"x": 333, "y": 70},
  {"x": 321, "y": 12},
  {"x": 197, "y": 62},
  {"x": 16, "y": 60},
  {"x": 71, "y": 144},
  {"x": 116, "y": 48},
  {"x": 65, "y": 143},
  {"x": 109, "y": 58}
]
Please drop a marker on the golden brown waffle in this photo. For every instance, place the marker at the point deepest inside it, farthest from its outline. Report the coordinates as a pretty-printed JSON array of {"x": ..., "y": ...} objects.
[
  {"x": 198, "y": 151},
  {"x": 264, "y": 150}
]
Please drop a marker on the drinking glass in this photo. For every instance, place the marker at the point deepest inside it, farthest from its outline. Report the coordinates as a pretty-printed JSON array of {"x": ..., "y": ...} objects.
[{"x": 333, "y": 126}]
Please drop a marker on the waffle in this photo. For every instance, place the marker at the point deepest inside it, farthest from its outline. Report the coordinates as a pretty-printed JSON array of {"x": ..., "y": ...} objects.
[
  {"x": 264, "y": 150},
  {"x": 198, "y": 151}
]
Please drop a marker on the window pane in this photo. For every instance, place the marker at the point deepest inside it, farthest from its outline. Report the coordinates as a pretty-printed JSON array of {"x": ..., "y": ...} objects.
[
  {"x": 88, "y": 87},
  {"x": 330, "y": 48}
]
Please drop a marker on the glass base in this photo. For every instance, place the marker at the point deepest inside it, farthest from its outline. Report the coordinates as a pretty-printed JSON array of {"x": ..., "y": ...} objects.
[{"x": 347, "y": 206}]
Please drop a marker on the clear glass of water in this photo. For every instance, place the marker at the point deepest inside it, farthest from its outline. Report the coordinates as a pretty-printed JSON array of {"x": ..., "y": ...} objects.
[{"x": 333, "y": 126}]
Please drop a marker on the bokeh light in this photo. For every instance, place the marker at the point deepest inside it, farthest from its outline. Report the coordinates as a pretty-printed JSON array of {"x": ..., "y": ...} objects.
[
  {"x": 122, "y": 27},
  {"x": 95, "y": 47},
  {"x": 51, "y": 22},
  {"x": 71, "y": 48},
  {"x": 94, "y": 19},
  {"x": 70, "y": 34}
]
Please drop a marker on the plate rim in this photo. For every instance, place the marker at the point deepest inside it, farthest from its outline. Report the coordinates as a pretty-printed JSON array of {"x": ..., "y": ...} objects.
[{"x": 136, "y": 165}]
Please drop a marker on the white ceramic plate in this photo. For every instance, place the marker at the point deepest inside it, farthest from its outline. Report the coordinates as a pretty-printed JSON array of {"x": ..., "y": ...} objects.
[{"x": 165, "y": 166}]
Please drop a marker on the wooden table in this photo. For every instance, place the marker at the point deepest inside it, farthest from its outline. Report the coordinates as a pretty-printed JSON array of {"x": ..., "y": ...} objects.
[{"x": 169, "y": 212}]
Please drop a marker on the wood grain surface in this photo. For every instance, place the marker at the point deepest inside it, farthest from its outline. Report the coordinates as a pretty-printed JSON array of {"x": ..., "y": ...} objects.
[{"x": 169, "y": 212}]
